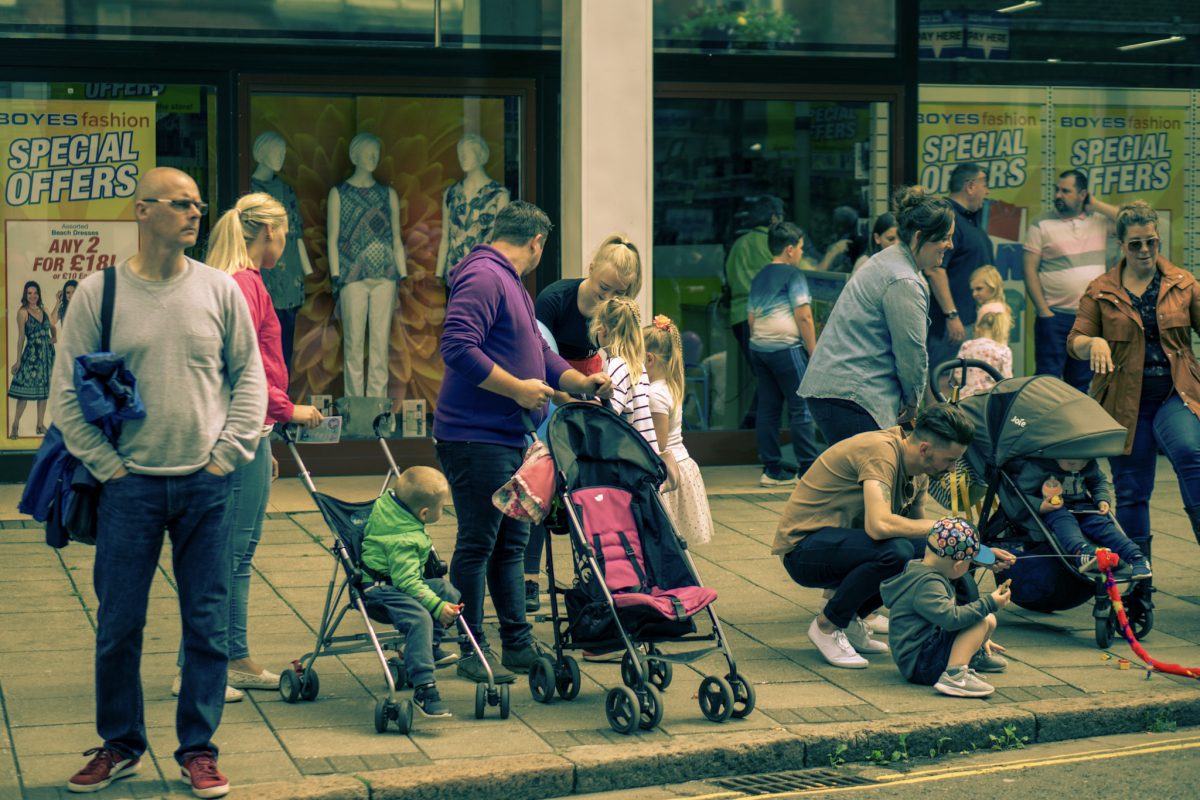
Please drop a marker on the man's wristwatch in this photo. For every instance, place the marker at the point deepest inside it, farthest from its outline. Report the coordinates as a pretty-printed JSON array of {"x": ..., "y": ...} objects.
[{"x": 951, "y": 315}]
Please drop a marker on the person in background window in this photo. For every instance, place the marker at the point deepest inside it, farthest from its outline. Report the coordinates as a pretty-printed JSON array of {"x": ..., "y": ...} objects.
[
  {"x": 883, "y": 236},
  {"x": 870, "y": 366}
]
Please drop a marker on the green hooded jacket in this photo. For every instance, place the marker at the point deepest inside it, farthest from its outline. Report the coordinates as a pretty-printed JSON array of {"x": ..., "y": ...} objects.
[{"x": 396, "y": 544}]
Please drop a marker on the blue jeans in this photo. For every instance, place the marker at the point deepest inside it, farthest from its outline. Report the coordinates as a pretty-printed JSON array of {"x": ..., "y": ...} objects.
[
  {"x": 1073, "y": 532},
  {"x": 840, "y": 419},
  {"x": 1165, "y": 423},
  {"x": 249, "y": 489},
  {"x": 1050, "y": 351},
  {"x": 421, "y": 631},
  {"x": 779, "y": 374},
  {"x": 133, "y": 513},
  {"x": 490, "y": 547}
]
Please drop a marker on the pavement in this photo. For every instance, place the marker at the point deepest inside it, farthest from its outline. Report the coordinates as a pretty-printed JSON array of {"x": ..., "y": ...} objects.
[{"x": 1059, "y": 686}]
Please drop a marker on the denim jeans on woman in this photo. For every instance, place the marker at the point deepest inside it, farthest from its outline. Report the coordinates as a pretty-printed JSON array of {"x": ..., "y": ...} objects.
[
  {"x": 490, "y": 547},
  {"x": 133, "y": 513},
  {"x": 1163, "y": 421},
  {"x": 1050, "y": 351},
  {"x": 249, "y": 489}
]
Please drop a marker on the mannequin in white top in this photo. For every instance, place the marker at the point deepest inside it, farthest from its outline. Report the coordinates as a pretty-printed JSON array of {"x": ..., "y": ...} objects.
[
  {"x": 366, "y": 259},
  {"x": 285, "y": 282},
  {"x": 469, "y": 207}
]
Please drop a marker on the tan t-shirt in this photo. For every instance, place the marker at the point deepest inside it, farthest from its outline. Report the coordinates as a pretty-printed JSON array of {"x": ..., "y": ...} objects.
[{"x": 830, "y": 493}]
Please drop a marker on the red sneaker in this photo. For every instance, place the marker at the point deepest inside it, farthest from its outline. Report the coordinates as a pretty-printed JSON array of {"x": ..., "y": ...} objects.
[
  {"x": 105, "y": 767},
  {"x": 207, "y": 780}
]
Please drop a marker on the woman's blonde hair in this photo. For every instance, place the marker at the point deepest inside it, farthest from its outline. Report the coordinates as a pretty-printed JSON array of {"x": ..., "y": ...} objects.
[
  {"x": 662, "y": 338},
  {"x": 1137, "y": 212},
  {"x": 991, "y": 278},
  {"x": 620, "y": 318},
  {"x": 995, "y": 322},
  {"x": 623, "y": 255},
  {"x": 240, "y": 225}
]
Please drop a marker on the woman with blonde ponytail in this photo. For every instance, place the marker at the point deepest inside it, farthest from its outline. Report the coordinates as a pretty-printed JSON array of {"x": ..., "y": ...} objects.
[
  {"x": 250, "y": 237},
  {"x": 688, "y": 504}
]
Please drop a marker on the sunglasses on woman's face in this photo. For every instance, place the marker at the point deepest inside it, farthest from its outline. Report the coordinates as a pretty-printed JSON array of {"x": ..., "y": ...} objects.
[{"x": 1137, "y": 245}]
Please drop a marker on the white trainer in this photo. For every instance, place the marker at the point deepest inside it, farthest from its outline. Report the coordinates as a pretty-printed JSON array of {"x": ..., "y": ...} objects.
[
  {"x": 877, "y": 622},
  {"x": 232, "y": 695},
  {"x": 964, "y": 683},
  {"x": 835, "y": 648},
  {"x": 858, "y": 633}
]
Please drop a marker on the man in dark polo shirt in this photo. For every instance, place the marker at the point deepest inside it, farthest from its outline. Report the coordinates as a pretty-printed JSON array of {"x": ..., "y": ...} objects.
[{"x": 952, "y": 312}]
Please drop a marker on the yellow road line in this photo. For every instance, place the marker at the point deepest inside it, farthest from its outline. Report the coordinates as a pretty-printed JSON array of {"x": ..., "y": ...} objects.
[{"x": 904, "y": 780}]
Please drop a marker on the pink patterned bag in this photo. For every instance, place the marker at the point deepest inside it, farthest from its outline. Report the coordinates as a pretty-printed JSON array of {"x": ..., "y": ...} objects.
[{"x": 529, "y": 493}]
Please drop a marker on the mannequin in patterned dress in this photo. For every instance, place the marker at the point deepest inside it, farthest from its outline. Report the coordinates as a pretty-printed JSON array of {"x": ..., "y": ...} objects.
[
  {"x": 285, "y": 283},
  {"x": 35, "y": 357},
  {"x": 469, "y": 207},
  {"x": 366, "y": 259}
]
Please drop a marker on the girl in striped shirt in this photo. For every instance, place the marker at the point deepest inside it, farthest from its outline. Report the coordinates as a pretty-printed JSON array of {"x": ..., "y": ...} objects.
[{"x": 617, "y": 327}]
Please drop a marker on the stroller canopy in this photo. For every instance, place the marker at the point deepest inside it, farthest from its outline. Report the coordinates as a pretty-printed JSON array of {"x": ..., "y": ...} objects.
[
  {"x": 1039, "y": 417},
  {"x": 593, "y": 446}
]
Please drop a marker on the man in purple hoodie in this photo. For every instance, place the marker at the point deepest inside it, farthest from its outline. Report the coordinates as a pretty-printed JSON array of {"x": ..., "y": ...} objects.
[{"x": 497, "y": 365}]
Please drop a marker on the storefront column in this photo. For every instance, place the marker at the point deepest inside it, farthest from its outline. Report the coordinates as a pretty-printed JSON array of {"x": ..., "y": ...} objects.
[{"x": 607, "y": 131}]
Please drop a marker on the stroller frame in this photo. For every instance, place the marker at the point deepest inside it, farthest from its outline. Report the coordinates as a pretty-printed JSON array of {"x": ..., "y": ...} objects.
[
  {"x": 645, "y": 675},
  {"x": 300, "y": 681}
]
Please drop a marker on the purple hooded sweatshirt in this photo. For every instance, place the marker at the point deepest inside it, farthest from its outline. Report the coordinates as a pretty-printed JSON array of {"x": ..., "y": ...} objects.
[{"x": 489, "y": 321}]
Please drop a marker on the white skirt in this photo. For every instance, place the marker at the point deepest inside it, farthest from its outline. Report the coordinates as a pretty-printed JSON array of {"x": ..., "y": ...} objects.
[{"x": 688, "y": 505}]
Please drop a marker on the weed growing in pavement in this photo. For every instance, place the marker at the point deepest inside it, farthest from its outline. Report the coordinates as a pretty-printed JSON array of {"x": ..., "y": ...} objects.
[
  {"x": 1159, "y": 724},
  {"x": 941, "y": 747},
  {"x": 836, "y": 759},
  {"x": 878, "y": 758},
  {"x": 1008, "y": 740},
  {"x": 901, "y": 754},
  {"x": 881, "y": 759}
]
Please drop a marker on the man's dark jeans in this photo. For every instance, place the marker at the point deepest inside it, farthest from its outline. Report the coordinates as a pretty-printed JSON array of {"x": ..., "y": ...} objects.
[
  {"x": 850, "y": 561},
  {"x": 133, "y": 513},
  {"x": 839, "y": 419},
  {"x": 1050, "y": 351},
  {"x": 490, "y": 546}
]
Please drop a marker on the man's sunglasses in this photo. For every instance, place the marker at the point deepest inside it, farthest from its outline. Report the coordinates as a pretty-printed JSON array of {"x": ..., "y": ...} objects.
[{"x": 180, "y": 205}]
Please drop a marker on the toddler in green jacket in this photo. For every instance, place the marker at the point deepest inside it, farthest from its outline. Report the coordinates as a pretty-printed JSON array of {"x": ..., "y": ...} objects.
[{"x": 395, "y": 549}]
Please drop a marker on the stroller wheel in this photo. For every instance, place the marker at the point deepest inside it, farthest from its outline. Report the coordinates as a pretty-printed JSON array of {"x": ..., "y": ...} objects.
[
  {"x": 622, "y": 709},
  {"x": 1143, "y": 624},
  {"x": 480, "y": 699},
  {"x": 743, "y": 695},
  {"x": 289, "y": 686},
  {"x": 403, "y": 713},
  {"x": 310, "y": 685},
  {"x": 629, "y": 673},
  {"x": 651, "y": 707},
  {"x": 504, "y": 707},
  {"x": 541, "y": 680},
  {"x": 1104, "y": 630},
  {"x": 399, "y": 673},
  {"x": 382, "y": 713},
  {"x": 716, "y": 699},
  {"x": 660, "y": 673},
  {"x": 567, "y": 679}
]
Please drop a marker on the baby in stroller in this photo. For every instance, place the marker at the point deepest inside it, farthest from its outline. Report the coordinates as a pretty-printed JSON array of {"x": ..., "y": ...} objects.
[
  {"x": 1074, "y": 498},
  {"x": 394, "y": 552}
]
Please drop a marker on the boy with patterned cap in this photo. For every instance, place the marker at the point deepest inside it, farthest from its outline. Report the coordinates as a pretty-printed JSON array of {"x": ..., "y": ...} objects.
[{"x": 934, "y": 638}]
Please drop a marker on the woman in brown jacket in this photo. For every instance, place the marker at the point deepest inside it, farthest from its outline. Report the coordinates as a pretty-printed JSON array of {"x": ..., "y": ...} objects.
[{"x": 1135, "y": 326}]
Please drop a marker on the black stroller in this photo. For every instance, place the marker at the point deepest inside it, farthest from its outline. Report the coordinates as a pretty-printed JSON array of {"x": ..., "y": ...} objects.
[
  {"x": 347, "y": 520},
  {"x": 636, "y": 587},
  {"x": 1042, "y": 417}
]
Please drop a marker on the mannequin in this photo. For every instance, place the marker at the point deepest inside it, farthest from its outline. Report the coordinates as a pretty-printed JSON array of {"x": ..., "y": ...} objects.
[
  {"x": 469, "y": 207},
  {"x": 285, "y": 283},
  {"x": 366, "y": 259}
]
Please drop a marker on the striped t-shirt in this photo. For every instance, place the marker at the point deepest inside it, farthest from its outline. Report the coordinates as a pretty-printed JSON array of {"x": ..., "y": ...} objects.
[
  {"x": 632, "y": 400},
  {"x": 1073, "y": 252}
]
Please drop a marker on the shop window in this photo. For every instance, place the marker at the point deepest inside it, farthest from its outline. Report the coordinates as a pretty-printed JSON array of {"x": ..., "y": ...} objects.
[
  {"x": 72, "y": 154},
  {"x": 720, "y": 167},
  {"x": 430, "y": 154},
  {"x": 862, "y": 29}
]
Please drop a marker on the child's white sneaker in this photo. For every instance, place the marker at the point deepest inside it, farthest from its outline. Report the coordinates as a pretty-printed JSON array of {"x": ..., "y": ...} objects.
[
  {"x": 963, "y": 682},
  {"x": 835, "y": 648},
  {"x": 858, "y": 633},
  {"x": 877, "y": 622}
]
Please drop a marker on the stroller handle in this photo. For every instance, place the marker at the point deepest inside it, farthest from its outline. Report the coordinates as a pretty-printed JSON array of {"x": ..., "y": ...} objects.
[{"x": 962, "y": 364}]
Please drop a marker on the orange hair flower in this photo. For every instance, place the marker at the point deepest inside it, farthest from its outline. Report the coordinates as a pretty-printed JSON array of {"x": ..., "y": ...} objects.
[{"x": 662, "y": 322}]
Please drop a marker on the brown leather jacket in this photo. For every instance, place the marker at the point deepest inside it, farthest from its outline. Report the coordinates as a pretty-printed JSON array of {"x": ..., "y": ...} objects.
[{"x": 1106, "y": 311}]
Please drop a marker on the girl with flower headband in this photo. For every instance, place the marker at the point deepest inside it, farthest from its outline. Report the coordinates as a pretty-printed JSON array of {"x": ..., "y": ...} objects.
[
  {"x": 993, "y": 324},
  {"x": 688, "y": 507},
  {"x": 617, "y": 327}
]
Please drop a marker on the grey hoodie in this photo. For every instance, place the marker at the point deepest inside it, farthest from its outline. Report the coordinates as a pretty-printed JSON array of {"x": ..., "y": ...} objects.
[{"x": 922, "y": 602}]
